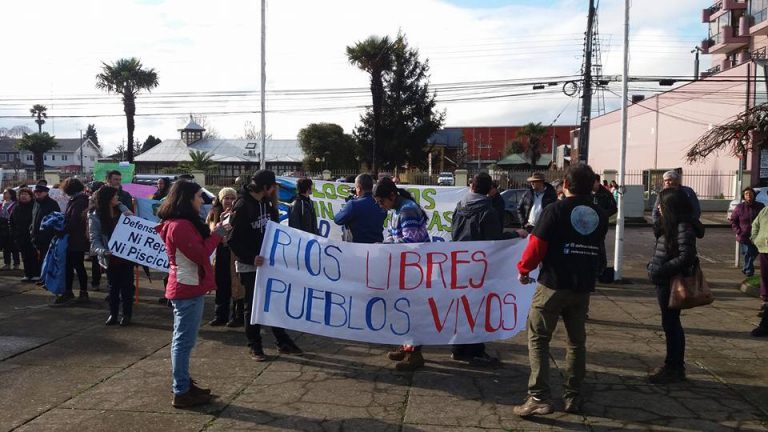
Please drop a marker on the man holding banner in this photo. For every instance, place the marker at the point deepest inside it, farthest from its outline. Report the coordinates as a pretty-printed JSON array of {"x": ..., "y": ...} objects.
[
  {"x": 250, "y": 215},
  {"x": 566, "y": 241}
]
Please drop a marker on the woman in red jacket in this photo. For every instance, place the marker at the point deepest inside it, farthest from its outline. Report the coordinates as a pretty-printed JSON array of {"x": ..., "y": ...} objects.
[{"x": 189, "y": 243}]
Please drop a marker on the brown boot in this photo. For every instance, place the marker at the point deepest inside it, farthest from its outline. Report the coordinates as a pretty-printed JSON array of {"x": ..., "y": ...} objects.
[
  {"x": 190, "y": 399},
  {"x": 413, "y": 360},
  {"x": 396, "y": 355}
]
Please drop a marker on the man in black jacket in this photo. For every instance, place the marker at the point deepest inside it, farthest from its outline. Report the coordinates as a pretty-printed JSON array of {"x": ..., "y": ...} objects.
[
  {"x": 251, "y": 212},
  {"x": 302, "y": 214},
  {"x": 475, "y": 219},
  {"x": 44, "y": 205},
  {"x": 115, "y": 179},
  {"x": 540, "y": 195}
]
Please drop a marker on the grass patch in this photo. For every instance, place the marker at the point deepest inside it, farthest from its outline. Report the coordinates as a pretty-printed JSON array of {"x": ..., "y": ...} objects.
[{"x": 753, "y": 281}]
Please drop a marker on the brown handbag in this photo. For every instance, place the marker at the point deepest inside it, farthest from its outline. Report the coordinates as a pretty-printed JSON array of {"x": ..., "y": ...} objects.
[{"x": 688, "y": 292}]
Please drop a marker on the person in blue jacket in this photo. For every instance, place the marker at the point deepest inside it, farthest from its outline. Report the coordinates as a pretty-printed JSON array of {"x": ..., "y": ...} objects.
[{"x": 361, "y": 217}]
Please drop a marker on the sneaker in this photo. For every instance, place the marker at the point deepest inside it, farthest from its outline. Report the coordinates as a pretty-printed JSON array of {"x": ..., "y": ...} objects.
[
  {"x": 413, "y": 360},
  {"x": 484, "y": 360},
  {"x": 63, "y": 299},
  {"x": 125, "y": 321},
  {"x": 111, "y": 320},
  {"x": 397, "y": 355},
  {"x": 190, "y": 399},
  {"x": 26, "y": 279},
  {"x": 533, "y": 406},
  {"x": 573, "y": 404},
  {"x": 195, "y": 389},
  {"x": 289, "y": 348},
  {"x": 216, "y": 322},
  {"x": 235, "y": 323},
  {"x": 666, "y": 375},
  {"x": 258, "y": 355},
  {"x": 759, "y": 332},
  {"x": 83, "y": 297}
]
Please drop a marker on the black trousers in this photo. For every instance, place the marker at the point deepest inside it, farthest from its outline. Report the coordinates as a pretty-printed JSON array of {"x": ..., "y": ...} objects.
[
  {"x": 253, "y": 331},
  {"x": 75, "y": 263},
  {"x": 29, "y": 258},
  {"x": 223, "y": 277},
  {"x": 673, "y": 330},
  {"x": 120, "y": 280},
  {"x": 468, "y": 350},
  {"x": 95, "y": 272}
]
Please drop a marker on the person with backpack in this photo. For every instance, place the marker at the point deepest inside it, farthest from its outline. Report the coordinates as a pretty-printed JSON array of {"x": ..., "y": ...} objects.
[
  {"x": 408, "y": 224},
  {"x": 476, "y": 219}
]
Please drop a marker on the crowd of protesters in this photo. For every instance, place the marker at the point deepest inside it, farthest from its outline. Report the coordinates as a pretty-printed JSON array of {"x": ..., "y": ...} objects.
[{"x": 567, "y": 215}]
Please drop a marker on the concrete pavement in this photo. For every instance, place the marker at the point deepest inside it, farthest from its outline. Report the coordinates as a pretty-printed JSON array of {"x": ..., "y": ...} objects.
[{"x": 62, "y": 369}]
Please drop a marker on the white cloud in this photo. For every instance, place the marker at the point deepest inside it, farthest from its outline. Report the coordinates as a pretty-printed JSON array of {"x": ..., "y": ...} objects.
[{"x": 56, "y": 48}]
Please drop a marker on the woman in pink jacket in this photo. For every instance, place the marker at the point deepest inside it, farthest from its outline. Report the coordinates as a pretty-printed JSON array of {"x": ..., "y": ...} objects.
[{"x": 189, "y": 243}]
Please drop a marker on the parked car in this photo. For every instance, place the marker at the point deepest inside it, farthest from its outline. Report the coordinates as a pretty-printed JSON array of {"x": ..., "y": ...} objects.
[
  {"x": 511, "y": 199},
  {"x": 445, "y": 179},
  {"x": 762, "y": 196}
]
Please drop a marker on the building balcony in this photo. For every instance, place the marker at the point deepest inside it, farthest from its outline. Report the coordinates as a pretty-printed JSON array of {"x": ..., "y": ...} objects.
[
  {"x": 720, "y": 8},
  {"x": 723, "y": 43},
  {"x": 760, "y": 28}
]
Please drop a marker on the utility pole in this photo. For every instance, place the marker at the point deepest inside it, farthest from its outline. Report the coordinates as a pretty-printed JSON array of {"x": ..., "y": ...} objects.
[
  {"x": 696, "y": 50},
  {"x": 618, "y": 254},
  {"x": 81, "y": 152},
  {"x": 263, "y": 158},
  {"x": 586, "y": 95}
]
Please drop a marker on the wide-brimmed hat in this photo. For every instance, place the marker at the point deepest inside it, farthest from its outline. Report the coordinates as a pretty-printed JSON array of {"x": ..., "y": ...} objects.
[{"x": 536, "y": 177}]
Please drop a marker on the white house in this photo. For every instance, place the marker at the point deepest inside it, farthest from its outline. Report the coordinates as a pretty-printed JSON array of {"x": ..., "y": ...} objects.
[{"x": 65, "y": 157}]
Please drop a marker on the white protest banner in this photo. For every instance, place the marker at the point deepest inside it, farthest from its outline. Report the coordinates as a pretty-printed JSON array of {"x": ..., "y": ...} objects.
[
  {"x": 422, "y": 294},
  {"x": 438, "y": 202},
  {"x": 136, "y": 240}
]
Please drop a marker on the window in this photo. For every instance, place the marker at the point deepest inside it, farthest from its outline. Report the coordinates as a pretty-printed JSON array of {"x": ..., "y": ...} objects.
[
  {"x": 29, "y": 157},
  {"x": 759, "y": 11},
  {"x": 45, "y": 157},
  {"x": 63, "y": 157},
  {"x": 53, "y": 157},
  {"x": 3, "y": 157}
]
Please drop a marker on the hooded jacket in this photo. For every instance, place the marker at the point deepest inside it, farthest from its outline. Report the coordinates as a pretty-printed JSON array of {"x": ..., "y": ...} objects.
[
  {"x": 249, "y": 221},
  {"x": 75, "y": 222},
  {"x": 42, "y": 208},
  {"x": 302, "y": 215},
  {"x": 190, "y": 273},
  {"x": 526, "y": 202},
  {"x": 475, "y": 219}
]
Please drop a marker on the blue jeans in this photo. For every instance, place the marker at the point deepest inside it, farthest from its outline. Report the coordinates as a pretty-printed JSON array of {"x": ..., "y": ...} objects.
[
  {"x": 187, "y": 316},
  {"x": 749, "y": 252}
]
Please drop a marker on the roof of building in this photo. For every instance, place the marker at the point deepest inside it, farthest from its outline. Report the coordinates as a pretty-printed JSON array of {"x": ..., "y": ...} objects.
[
  {"x": 69, "y": 145},
  {"x": 520, "y": 159},
  {"x": 224, "y": 150},
  {"x": 192, "y": 125}
]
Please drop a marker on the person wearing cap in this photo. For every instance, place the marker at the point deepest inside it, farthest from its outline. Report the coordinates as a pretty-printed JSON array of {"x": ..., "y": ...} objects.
[
  {"x": 251, "y": 212},
  {"x": 540, "y": 195},
  {"x": 44, "y": 205},
  {"x": 672, "y": 179}
]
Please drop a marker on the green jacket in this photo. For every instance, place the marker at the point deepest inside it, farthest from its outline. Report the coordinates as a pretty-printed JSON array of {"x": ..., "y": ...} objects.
[{"x": 760, "y": 231}]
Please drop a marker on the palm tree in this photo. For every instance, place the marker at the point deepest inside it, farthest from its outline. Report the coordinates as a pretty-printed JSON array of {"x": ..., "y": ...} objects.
[
  {"x": 375, "y": 56},
  {"x": 201, "y": 161},
  {"x": 39, "y": 111},
  {"x": 127, "y": 77},
  {"x": 38, "y": 144},
  {"x": 534, "y": 132}
]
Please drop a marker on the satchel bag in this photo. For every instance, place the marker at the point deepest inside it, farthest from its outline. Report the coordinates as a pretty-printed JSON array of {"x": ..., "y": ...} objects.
[{"x": 688, "y": 292}]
